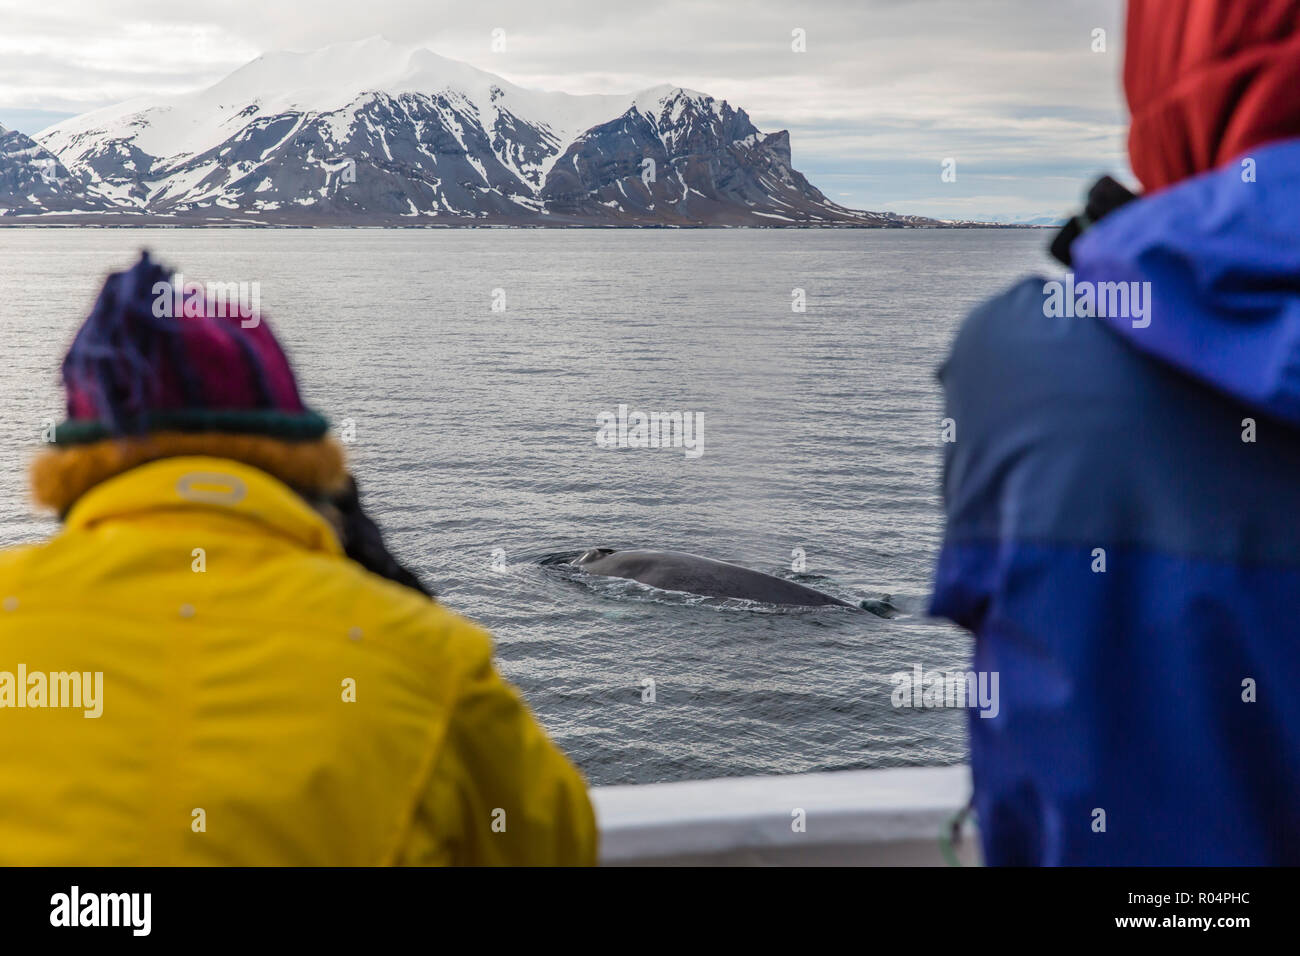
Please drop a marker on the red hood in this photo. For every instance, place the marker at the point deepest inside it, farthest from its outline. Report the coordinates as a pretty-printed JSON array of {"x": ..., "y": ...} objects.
[{"x": 1208, "y": 80}]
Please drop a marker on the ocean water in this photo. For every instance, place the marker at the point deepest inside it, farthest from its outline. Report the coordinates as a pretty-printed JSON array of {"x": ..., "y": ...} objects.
[{"x": 475, "y": 445}]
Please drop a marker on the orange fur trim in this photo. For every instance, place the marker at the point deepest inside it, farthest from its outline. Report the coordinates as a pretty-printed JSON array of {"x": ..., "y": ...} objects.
[{"x": 60, "y": 476}]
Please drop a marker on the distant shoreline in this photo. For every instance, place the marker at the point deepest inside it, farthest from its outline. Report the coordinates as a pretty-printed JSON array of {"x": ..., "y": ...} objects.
[{"x": 69, "y": 222}]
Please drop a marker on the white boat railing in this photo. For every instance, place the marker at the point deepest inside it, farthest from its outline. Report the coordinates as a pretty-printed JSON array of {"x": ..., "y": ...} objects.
[{"x": 895, "y": 817}]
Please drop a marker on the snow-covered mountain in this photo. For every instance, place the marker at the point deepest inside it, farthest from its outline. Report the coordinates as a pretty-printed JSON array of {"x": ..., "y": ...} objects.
[
  {"x": 680, "y": 157},
  {"x": 372, "y": 132},
  {"x": 34, "y": 182}
]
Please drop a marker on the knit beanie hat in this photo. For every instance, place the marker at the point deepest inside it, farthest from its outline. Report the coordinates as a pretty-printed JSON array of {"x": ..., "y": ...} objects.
[
  {"x": 159, "y": 370},
  {"x": 1208, "y": 80}
]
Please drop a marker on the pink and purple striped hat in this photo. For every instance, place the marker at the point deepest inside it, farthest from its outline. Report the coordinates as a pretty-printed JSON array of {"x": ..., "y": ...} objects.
[{"x": 136, "y": 366}]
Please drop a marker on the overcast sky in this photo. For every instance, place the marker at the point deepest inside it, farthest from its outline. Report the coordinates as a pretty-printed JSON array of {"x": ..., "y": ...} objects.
[{"x": 885, "y": 92}]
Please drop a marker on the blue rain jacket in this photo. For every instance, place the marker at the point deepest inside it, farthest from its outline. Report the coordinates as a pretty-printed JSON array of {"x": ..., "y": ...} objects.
[{"x": 1123, "y": 537}]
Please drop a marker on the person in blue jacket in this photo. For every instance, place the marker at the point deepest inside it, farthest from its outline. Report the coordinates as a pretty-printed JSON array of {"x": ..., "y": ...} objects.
[{"x": 1122, "y": 484}]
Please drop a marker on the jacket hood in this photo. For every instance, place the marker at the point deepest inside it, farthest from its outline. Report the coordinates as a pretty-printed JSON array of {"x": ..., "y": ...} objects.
[{"x": 1221, "y": 254}]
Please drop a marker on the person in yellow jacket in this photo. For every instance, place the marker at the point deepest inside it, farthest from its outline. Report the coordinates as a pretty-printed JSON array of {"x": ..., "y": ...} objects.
[{"x": 215, "y": 662}]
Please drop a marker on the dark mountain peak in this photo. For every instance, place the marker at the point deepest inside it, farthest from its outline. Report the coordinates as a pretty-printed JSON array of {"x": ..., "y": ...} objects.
[
  {"x": 779, "y": 144},
  {"x": 678, "y": 157}
]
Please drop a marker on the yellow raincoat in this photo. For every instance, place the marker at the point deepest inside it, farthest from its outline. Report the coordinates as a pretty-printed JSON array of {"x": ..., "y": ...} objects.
[{"x": 206, "y": 679}]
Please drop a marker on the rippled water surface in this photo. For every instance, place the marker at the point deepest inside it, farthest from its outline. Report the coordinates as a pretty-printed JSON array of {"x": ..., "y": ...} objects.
[{"x": 475, "y": 431}]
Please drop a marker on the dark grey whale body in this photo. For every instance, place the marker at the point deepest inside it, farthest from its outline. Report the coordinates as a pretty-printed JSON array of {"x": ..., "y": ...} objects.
[{"x": 679, "y": 571}]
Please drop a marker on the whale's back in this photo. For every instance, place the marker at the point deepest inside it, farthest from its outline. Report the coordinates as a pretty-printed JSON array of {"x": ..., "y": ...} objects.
[{"x": 679, "y": 571}]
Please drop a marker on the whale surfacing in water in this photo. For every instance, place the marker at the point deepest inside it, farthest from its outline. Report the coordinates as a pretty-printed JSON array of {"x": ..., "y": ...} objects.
[{"x": 679, "y": 571}]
